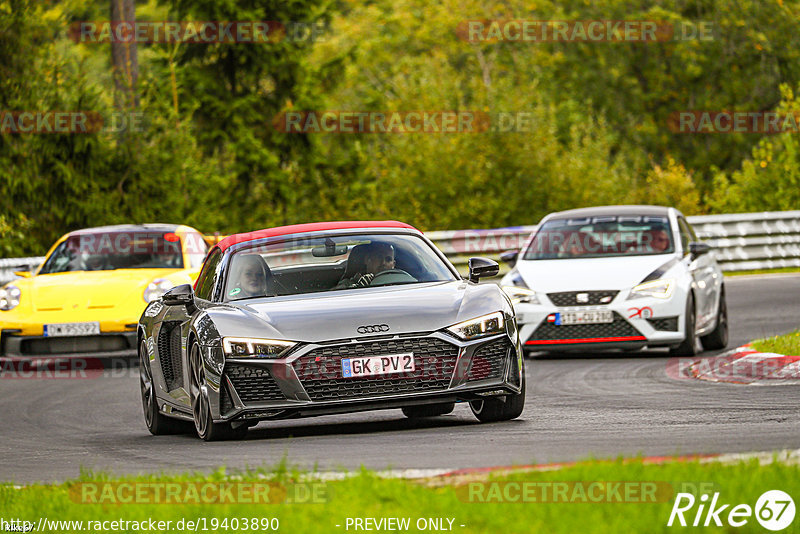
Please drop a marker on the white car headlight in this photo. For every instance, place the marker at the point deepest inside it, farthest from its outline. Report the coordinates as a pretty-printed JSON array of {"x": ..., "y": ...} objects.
[
  {"x": 485, "y": 325},
  {"x": 9, "y": 297},
  {"x": 521, "y": 294},
  {"x": 246, "y": 347},
  {"x": 156, "y": 289},
  {"x": 661, "y": 289}
]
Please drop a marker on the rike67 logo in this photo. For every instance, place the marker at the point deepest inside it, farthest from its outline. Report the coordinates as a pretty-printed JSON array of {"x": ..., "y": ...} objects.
[{"x": 774, "y": 510}]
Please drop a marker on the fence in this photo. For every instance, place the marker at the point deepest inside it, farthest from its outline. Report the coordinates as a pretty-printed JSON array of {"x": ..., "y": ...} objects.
[{"x": 741, "y": 241}]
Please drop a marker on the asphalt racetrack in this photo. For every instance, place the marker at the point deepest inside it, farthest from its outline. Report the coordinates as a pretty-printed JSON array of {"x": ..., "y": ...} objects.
[{"x": 599, "y": 405}]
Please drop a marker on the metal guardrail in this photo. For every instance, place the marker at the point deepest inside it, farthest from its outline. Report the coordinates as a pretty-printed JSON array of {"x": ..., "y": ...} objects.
[
  {"x": 9, "y": 265},
  {"x": 741, "y": 241}
]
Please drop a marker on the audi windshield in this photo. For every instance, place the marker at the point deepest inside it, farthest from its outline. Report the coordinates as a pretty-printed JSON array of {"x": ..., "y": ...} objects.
[{"x": 333, "y": 263}]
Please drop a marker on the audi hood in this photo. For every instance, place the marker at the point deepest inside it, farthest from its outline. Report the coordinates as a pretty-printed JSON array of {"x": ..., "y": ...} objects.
[{"x": 338, "y": 315}]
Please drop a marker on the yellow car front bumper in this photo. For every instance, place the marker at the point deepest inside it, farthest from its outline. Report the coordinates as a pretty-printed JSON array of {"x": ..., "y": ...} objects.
[{"x": 24, "y": 336}]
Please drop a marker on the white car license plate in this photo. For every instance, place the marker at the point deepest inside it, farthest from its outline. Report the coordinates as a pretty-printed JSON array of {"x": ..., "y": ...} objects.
[
  {"x": 585, "y": 317},
  {"x": 71, "y": 329},
  {"x": 378, "y": 365}
]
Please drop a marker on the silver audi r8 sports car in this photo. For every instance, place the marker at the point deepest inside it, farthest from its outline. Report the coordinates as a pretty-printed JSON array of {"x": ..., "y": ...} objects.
[
  {"x": 621, "y": 277},
  {"x": 328, "y": 318}
]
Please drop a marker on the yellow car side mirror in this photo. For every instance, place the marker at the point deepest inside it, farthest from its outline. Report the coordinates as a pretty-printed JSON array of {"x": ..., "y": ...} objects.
[{"x": 23, "y": 274}]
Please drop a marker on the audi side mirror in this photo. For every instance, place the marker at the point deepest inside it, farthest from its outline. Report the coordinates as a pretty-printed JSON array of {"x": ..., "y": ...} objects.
[
  {"x": 482, "y": 267},
  {"x": 182, "y": 295}
]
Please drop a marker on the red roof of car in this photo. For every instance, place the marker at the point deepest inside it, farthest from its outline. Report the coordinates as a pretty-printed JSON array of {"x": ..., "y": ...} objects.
[{"x": 307, "y": 228}]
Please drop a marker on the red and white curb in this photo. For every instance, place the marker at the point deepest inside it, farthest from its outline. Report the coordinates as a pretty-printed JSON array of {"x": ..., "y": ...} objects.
[
  {"x": 743, "y": 365},
  {"x": 450, "y": 476}
]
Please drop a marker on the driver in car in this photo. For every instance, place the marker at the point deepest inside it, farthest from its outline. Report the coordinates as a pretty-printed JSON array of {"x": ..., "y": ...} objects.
[
  {"x": 656, "y": 240},
  {"x": 377, "y": 257}
]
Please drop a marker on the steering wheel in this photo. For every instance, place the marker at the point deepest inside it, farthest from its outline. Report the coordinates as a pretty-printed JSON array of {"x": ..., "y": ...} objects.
[{"x": 392, "y": 276}]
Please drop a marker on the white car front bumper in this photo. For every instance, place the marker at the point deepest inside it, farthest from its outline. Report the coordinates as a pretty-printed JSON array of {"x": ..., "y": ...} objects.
[{"x": 639, "y": 322}]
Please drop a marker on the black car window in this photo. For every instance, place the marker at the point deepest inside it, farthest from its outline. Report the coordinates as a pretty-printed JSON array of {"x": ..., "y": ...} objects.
[
  {"x": 205, "y": 282},
  {"x": 196, "y": 248},
  {"x": 686, "y": 234},
  {"x": 692, "y": 235}
]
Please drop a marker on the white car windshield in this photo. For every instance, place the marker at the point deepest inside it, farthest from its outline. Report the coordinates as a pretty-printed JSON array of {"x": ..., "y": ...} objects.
[
  {"x": 333, "y": 263},
  {"x": 598, "y": 237}
]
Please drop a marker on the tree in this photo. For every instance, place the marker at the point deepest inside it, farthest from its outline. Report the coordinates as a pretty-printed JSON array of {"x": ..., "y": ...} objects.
[{"x": 125, "y": 61}]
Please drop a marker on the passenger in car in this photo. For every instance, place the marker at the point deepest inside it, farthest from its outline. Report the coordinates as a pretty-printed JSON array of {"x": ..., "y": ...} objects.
[{"x": 252, "y": 277}]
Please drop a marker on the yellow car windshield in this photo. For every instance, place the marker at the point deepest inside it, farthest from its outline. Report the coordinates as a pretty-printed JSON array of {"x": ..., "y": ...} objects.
[{"x": 103, "y": 251}]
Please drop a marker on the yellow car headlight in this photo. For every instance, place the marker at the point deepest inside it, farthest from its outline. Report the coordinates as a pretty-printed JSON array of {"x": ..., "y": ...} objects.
[
  {"x": 660, "y": 289},
  {"x": 9, "y": 297},
  {"x": 485, "y": 325},
  {"x": 246, "y": 347}
]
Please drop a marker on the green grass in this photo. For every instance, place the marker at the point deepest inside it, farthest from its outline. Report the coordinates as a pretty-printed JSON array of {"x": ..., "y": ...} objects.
[
  {"x": 367, "y": 495},
  {"x": 788, "y": 344},
  {"x": 764, "y": 271}
]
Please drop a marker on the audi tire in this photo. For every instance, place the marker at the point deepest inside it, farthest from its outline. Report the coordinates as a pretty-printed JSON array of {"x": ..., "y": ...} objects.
[
  {"x": 157, "y": 423},
  {"x": 495, "y": 409}
]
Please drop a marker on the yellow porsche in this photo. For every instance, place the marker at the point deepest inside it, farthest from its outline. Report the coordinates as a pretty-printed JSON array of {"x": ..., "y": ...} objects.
[{"x": 88, "y": 294}]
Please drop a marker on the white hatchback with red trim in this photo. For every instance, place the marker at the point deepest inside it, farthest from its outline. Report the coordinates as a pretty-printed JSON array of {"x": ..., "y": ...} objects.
[{"x": 617, "y": 277}]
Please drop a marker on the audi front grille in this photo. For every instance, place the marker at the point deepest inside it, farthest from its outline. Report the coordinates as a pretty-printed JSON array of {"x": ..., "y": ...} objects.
[{"x": 320, "y": 370}]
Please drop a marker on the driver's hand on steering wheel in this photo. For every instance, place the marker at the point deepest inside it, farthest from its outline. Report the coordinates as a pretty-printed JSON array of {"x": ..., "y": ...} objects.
[{"x": 365, "y": 280}]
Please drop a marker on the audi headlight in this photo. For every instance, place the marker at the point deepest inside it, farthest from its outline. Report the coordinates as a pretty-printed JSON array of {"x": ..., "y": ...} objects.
[
  {"x": 485, "y": 325},
  {"x": 9, "y": 297},
  {"x": 156, "y": 289},
  {"x": 246, "y": 347},
  {"x": 521, "y": 294},
  {"x": 660, "y": 289}
]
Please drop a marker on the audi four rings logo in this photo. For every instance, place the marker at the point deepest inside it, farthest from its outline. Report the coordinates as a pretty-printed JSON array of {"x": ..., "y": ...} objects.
[{"x": 373, "y": 328}]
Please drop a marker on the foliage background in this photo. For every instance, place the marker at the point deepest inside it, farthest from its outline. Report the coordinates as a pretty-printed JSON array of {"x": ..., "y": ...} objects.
[{"x": 209, "y": 156}]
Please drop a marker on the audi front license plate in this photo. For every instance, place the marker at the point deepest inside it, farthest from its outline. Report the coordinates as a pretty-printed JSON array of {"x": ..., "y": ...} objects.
[
  {"x": 71, "y": 329},
  {"x": 585, "y": 317},
  {"x": 378, "y": 365}
]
